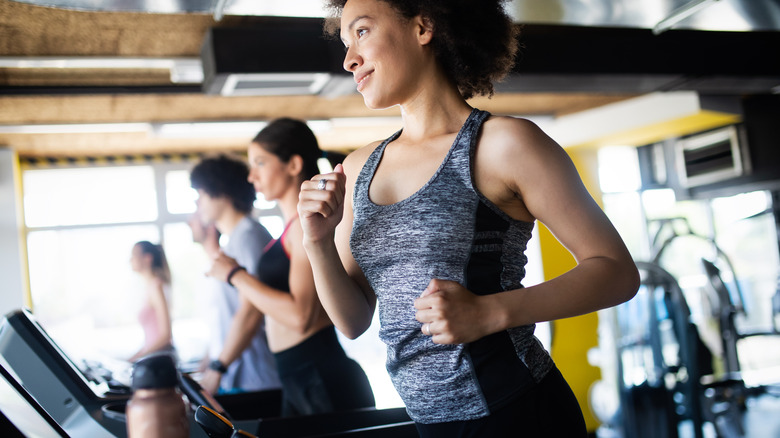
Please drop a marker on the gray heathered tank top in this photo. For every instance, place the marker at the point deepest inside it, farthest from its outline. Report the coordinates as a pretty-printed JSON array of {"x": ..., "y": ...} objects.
[{"x": 446, "y": 230}]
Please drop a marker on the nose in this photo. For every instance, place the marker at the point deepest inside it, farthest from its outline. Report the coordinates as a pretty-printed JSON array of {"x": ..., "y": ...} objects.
[{"x": 352, "y": 60}]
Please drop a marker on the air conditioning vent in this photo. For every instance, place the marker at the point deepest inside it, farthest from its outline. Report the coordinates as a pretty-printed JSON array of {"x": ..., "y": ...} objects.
[
  {"x": 276, "y": 56},
  {"x": 264, "y": 84},
  {"x": 710, "y": 157}
]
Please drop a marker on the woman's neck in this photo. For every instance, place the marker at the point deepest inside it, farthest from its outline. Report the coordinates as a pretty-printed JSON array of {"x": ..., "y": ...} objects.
[
  {"x": 149, "y": 278},
  {"x": 289, "y": 203},
  {"x": 432, "y": 113}
]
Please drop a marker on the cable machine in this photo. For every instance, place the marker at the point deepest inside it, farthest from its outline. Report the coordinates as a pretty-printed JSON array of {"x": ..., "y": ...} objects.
[{"x": 668, "y": 382}]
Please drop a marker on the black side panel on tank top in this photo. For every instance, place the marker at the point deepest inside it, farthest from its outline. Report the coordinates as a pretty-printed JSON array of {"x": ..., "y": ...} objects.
[{"x": 501, "y": 374}]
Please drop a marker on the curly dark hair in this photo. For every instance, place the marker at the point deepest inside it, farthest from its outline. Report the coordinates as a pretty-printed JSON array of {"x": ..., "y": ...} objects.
[
  {"x": 475, "y": 41},
  {"x": 226, "y": 176},
  {"x": 285, "y": 137}
]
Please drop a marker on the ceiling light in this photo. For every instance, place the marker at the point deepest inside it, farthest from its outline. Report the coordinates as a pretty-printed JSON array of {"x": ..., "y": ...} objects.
[
  {"x": 183, "y": 70},
  {"x": 239, "y": 129},
  {"x": 76, "y": 128}
]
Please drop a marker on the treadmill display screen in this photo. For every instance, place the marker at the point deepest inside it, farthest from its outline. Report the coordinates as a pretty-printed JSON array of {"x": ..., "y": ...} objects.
[
  {"x": 23, "y": 411},
  {"x": 52, "y": 385}
]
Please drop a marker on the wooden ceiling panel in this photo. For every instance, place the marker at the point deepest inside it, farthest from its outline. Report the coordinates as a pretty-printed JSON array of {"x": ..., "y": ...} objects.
[
  {"x": 175, "y": 107},
  {"x": 161, "y": 108},
  {"x": 75, "y": 77},
  {"x": 29, "y": 30},
  {"x": 39, "y": 31},
  {"x": 34, "y": 31},
  {"x": 199, "y": 107}
]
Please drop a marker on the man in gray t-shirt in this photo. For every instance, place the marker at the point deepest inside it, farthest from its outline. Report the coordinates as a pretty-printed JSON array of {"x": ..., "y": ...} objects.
[{"x": 239, "y": 358}]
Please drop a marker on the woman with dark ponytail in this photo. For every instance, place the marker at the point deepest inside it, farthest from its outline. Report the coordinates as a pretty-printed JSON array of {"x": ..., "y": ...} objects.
[
  {"x": 148, "y": 260},
  {"x": 317, "y": 375}
]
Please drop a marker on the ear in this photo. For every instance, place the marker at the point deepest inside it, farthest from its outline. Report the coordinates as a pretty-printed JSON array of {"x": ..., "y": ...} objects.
[
  {"x": 424, "y": 29},
  {"x": 295, "y": 165}
]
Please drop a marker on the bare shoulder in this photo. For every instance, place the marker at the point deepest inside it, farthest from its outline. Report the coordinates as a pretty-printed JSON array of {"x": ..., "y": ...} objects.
[
  {"x": 356, "y": 159},
  {"x": 157, "y": 290},
  {"x": 293, "y": 240},
  {"x": 158, "y": 283},
  {"x": 508, "y": 134},
  {"x": 514, "y": 144},
  {"x": 517, "y": 166}
]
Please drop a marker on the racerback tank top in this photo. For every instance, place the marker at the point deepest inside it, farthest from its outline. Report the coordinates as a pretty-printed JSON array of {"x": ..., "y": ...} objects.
[{"x": 446, "y": 230}]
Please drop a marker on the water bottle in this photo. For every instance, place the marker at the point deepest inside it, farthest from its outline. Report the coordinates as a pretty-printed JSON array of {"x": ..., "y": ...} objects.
[{"x": 156, "y": 409}]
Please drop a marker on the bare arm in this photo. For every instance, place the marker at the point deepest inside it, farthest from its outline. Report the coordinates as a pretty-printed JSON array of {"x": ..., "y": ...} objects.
[
  {"x": 326, "y": 218},
  {"x": 297, "y": 309},
  {"x": 243, "y": 328},
  {"x": 532, "y": 177},
  {"x": 163, "y": 317}
]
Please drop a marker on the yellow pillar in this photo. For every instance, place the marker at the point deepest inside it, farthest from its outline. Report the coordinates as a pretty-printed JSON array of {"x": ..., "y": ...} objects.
[{"x": 573, "y": 337}]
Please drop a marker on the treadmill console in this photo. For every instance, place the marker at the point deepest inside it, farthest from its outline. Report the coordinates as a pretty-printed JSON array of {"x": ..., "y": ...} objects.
[{"x": 36, "y": 372}]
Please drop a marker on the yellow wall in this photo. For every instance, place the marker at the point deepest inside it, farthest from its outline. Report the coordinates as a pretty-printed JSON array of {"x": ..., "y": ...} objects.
[{"x": 573, "y": 337}]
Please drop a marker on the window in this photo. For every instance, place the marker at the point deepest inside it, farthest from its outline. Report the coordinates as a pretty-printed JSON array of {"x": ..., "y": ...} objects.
[
  {"x": 60, "y": 197},
  {"x": 179, "y": 196},
  {"x": 82, "y": 223}
]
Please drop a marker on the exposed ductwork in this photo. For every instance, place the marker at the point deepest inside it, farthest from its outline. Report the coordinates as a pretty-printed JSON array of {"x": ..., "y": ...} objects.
[
  {"x": 598, "y": 46},
  {"x": 728, "y": 15},
  {"x": 292, "y": 52},
  {"x": 608, "y": 59}
]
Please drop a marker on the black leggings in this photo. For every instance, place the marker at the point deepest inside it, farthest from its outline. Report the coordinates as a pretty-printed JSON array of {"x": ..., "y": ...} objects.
[
  {"x": 318, "y": 377},
  {"x": 548, "y": 409}
]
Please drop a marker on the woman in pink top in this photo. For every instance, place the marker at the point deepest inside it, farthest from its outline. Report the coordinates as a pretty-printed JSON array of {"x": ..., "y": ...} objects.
[{"x": 149, "y": 260}]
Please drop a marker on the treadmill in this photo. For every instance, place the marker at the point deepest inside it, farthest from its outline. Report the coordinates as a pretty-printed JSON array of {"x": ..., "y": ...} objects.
[
  {"x": 60, "y": 399},
  {"x": 44, "y": 394}
]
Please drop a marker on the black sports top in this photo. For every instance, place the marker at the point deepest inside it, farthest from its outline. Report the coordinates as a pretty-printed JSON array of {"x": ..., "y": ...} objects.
[{"x": 274, "y": 266}]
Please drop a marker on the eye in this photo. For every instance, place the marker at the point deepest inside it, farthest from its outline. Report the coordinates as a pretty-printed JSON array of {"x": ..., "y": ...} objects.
[{"x": 360, "y": 32}]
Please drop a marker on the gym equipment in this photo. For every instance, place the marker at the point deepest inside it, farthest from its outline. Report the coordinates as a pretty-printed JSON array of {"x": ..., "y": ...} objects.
[
  {"x": 44, "y": 393},
  {"x": 67, "y": 398},
  {"x": 216, "y": 425},
  {"x": 667, "y": 382},
  {"x": 659, "y": 363}
]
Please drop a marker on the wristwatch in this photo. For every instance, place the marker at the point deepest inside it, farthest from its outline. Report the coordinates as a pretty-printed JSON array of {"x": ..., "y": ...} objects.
[{"x": 218, "y": 366}]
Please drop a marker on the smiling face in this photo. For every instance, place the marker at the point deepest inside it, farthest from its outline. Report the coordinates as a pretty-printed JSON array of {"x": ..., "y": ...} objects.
[
  {"x": 268, "y": 174},
  {"x": 384, "y": 51}
]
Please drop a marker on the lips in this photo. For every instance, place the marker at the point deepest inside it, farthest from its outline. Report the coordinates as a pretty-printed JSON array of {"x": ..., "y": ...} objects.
[{"x": 361, "y": 79}]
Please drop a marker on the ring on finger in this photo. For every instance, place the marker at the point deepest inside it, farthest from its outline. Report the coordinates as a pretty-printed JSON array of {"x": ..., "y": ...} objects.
[
  {"x": 426, "y": 329},
  {"x": 322, "y": 184}
]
